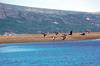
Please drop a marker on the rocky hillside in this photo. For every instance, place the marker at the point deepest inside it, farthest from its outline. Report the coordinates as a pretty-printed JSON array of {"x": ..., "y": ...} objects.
[{"x": 20, "y": 19}]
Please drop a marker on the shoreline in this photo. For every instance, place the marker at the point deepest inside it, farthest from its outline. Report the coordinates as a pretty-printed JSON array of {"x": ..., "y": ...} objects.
[{"x": 19, "y": 38}]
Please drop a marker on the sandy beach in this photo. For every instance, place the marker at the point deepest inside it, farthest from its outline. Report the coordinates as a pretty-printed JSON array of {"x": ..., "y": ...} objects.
[{"x": 49, "y": 37}]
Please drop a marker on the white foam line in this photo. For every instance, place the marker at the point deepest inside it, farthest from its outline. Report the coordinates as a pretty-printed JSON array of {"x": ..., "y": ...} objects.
[{"x": 15, "y": 49}]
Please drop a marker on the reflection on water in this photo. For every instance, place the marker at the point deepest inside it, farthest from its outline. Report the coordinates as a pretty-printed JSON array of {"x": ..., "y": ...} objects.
[{"x": 75, "y": 53}]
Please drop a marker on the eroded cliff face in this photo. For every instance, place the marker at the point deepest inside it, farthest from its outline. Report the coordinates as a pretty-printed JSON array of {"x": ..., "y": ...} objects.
[
  {"x": 17, "y": 11},
  {"x": 7, "y": 11},
  {"x": 2, "y": 14},
  {"x": 20, "y": 19}
]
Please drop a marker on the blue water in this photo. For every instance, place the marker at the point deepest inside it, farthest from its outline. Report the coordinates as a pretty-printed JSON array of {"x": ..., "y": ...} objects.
[{"x": 68, "y": 53}]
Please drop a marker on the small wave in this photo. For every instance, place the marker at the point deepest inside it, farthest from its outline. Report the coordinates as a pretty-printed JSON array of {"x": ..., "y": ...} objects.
[
  {"x": 97, "y": 39},
  {"x": 89, "y": 40},
  {"x": 15, "y": 49}
]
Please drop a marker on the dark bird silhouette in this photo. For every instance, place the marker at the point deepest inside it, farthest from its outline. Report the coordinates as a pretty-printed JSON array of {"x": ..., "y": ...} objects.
[
  {"x": 83, "y": 34},
  {"x": 44, "y": 34},
  {"x": 70, "y": 33},
  {"x": 56, "y": 33}
]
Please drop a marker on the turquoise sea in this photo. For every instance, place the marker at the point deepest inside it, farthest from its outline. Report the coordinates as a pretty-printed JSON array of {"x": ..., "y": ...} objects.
[{"x": 66, "y": 53}]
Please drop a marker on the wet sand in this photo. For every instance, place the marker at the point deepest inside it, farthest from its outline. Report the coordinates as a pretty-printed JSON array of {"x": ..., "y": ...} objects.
[{"x": 49, "y": 37}]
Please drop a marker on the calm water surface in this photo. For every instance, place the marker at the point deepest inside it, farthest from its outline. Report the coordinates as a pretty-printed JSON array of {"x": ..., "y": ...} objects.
[{"x": 69, "y": 53}]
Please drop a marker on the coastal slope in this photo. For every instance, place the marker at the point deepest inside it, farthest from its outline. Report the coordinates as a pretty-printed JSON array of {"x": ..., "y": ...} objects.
[{"x": 21, "y": 19}]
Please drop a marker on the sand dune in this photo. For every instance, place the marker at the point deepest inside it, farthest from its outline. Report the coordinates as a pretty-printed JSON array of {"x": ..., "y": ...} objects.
[{"x": 49, "y": 37}]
